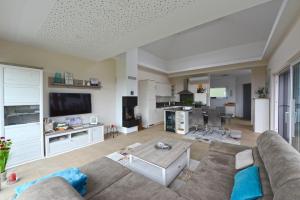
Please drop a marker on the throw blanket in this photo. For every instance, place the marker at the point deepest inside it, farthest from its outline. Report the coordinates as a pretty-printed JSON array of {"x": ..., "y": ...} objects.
[{"x": 72, "y": 175}]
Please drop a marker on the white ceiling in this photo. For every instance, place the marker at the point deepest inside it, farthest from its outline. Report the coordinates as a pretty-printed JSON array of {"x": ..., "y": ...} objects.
[
  {"x": 245, "y": 27},
  {"x": 99, "y": 29}
]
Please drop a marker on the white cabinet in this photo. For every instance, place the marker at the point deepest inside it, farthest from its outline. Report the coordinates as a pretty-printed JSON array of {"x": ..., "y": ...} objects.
[
  {"x": 22, "y": 86},
  {"x": 97, "y": 134},
  {"x": 21, "y": 95},
  {"x": 163, "y": 89},
  {"x": 61, "y": 142},
  {"x": 182, "y": 122},
  {"x": 261, "y": 115},
  {"x": 27, "y": 143},
  {"x": 21, "y": 100},
  {"x": 21, "y": 76}
]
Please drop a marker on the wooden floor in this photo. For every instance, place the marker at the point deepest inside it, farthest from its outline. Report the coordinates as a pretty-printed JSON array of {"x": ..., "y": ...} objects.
[{"x": 85, "y": 155}]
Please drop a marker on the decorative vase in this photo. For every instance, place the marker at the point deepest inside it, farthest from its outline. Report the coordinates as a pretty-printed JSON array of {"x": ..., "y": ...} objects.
[{"x": 3, "y": 176}]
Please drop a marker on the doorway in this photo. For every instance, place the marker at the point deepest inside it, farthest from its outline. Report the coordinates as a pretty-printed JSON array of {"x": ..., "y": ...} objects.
[{"x": 247, "y": 101}]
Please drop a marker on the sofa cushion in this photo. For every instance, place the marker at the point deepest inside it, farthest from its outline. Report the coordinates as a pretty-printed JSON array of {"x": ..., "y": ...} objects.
[
  {"x": 265, "y": 182},
  {"x": 281, "y": 160},
  {"x": 225, "y": 148},
  {"x": 219, "y": 162},
  {"x": 213, "y": 178},
  {"x": 136, "y": 187},
  {"x": 101, "y": 174},
  {"x": 207, "y": 184},
  {"x": 55, "y": 188},
  {"x": 244, "y": 159}
]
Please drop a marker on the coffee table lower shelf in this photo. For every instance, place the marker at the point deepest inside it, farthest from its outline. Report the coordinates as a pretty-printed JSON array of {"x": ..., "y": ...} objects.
[{"x": 159, "y": 174}]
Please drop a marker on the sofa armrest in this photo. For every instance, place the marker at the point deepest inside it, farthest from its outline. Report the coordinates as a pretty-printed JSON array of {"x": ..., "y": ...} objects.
[
  {"x": 55, "y": 188},
  {"x": 230, "y": 149}
]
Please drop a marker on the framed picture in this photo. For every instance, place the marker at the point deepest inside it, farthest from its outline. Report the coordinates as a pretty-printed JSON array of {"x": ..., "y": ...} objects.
[{"x": 68, "y": 78}]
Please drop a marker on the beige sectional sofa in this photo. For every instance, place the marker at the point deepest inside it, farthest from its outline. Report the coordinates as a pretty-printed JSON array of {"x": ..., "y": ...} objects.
[{"x": 278, "y": 162}]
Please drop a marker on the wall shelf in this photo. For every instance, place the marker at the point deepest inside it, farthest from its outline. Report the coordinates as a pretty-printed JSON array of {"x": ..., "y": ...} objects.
[{"x": 52, "y": 84}]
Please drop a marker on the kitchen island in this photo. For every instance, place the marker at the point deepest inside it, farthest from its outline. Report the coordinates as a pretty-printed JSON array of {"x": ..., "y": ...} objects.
[{"x": 176, "y": 119}]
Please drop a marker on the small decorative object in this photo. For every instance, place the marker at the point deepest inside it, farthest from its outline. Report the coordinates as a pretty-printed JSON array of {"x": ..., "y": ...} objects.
[
  {"x": 74, "y": 121},
  {"x": 58, "y": 78},
  {"x": 77, "y": 82},
  {"x": 68, "y": 78},
  {"x": 88, "y": 83},
  {"x": 162, "y": 145},
  {"x": 200, "y": 89},
  {"x": 94, "y": 120},
  {"x": 4, "y": 153},
  {"x": 12, "y": 178},
  {"x": 262, "y": 92},
  {"x": 48, "y": 125},
  {"x": 94, "y": 82}
]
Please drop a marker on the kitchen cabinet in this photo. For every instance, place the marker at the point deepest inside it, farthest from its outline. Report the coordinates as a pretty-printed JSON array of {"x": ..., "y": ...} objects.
[
  {"x": 163, "y": 89},
  {"x": 148, "y": 91}
]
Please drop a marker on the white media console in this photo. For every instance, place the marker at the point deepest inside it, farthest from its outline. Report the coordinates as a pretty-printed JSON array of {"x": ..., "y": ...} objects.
[{"x": 63, "y": 141}]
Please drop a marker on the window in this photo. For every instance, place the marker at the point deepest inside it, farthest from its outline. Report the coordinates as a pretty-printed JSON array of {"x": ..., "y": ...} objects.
[{"x": 217, "y": 92}]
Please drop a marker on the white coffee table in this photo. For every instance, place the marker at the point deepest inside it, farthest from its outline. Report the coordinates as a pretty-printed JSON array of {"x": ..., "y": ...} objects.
[{"x": 161, "y": 166}]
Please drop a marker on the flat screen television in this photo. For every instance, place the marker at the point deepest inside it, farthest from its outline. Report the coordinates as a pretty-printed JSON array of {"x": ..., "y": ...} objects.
[{"x": 62, "y": 104}]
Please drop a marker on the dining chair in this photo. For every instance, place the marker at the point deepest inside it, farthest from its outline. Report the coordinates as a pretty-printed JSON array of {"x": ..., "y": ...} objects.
[
  {"x": 196, "y": 120},
  {"x": 214, "y": 119}
]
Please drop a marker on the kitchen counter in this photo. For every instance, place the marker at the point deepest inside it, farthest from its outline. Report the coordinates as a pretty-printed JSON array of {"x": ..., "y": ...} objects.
[
  {"x": 177, "y": 108},
  {"x": 176, "y": 119}
]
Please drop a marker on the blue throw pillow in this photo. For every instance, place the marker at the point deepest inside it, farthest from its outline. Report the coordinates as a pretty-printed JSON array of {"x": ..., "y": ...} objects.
[
  {"x": 73, "y": 176},
  {"x": 247, "y": 184}
]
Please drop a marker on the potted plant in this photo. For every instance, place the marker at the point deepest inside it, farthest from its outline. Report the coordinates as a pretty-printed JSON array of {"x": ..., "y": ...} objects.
[
  {"x": 262, "y": 92},
  {"x": 4, "y": 153}
]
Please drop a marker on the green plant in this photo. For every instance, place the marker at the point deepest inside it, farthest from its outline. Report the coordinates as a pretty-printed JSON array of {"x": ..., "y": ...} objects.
[
  {"x": 262, "y": 92},
  {"x": 4, "y": 153}
]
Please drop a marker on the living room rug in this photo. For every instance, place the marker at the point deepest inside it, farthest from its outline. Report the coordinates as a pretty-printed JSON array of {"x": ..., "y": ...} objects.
[
  {"x": 213, "y": 135},
  {"x": 122, "y": 157}
]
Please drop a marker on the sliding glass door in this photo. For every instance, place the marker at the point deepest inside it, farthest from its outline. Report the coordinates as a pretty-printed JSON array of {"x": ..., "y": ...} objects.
[
  {"x": 289, "y": 105},
  {"x": 284, "y": 105},
  {"x": 295, "y": 118}
]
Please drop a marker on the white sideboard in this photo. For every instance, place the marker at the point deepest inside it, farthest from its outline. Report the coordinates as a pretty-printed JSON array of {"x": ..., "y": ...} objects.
[
  {"x": 21, "y": 105},
  {"x": 261, "y": 115},
  {"x": 63, "y": 141}
]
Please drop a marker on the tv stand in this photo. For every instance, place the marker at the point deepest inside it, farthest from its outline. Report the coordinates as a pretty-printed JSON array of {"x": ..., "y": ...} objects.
[{"x": 59, "y": 142}]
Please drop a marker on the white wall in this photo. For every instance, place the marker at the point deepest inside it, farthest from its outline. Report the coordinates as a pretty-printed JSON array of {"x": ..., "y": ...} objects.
[
  {"x": 258, "y": 80},
  {"x": 229, "y": 83},
  {"x": 103, "y": 101},
  {"x": 148, "y": 74},
  {"x": 126, "y": 65},
  {"x": 287, "y": 52}
]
